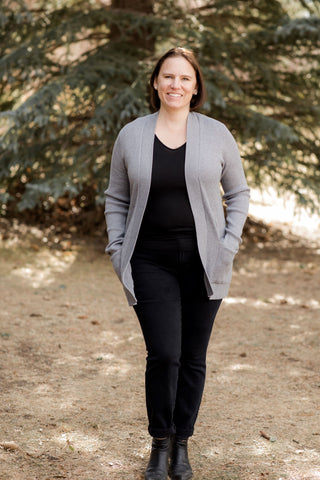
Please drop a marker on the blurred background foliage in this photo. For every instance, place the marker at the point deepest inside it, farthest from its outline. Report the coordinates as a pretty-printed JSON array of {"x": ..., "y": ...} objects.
[{"x": 73, "y": 72}]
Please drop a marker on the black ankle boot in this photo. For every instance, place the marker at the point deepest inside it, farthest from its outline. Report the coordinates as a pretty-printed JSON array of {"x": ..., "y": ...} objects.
[
  {"x": 157, "y": 468},
  {"x": 180, "y": 468}
]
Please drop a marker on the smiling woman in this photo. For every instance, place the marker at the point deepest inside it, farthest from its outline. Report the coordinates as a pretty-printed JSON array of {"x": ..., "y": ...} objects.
[
  {"x": 176, "y": 83},
  {"x": 178, "y": 54},
  {"x": 177, "y": 87},
  {"x": 171, "y": 246}
]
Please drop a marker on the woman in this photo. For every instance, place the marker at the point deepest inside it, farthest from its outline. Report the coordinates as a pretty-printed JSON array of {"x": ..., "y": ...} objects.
[{"x": 172, "y": 247}]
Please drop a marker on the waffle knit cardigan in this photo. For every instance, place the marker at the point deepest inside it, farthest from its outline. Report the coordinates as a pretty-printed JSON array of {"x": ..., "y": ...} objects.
[{"x": 212, "y": 159}]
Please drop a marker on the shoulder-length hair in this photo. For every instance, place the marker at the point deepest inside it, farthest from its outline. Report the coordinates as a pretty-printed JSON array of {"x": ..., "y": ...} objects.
[{"x": 197, "y": 99}]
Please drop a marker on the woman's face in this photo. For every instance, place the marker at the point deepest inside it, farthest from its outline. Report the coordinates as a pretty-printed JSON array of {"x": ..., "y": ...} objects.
[{"x": 176, "y": 83}]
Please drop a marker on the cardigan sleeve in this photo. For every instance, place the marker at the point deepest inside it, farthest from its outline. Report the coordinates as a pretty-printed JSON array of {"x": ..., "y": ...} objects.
[
  {"x": 117, "y": 200},
  {"x": 236, "y": 192}
]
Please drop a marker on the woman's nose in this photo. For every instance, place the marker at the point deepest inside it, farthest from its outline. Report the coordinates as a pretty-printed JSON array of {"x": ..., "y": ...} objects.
[{"x": 175, "y": 82}]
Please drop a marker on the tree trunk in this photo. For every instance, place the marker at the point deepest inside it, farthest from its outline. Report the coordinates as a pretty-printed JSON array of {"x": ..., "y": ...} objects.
[
  {"x": 144, "y": 39},
  {"x": 143, "y": 6}
]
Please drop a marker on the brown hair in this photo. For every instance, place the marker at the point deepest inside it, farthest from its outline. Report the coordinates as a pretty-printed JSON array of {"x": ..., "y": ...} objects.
[{"x": 197, "y": 99}]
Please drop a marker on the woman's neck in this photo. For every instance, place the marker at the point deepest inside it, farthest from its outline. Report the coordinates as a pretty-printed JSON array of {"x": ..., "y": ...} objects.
[
  {"x": 171, "y": 127},
  {"x": 173, "y": 119}
]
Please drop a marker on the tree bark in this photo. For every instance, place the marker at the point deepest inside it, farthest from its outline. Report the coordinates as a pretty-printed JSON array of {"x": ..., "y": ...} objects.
[
  {"x": 140, "y": 6},
  {"x": 143, "y": 6}
]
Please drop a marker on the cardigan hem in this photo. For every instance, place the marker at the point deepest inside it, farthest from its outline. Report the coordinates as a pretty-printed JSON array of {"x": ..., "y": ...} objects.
[{"x": 219, "y": 291}]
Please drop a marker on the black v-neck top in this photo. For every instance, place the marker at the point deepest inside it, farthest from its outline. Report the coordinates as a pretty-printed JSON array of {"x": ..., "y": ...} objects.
[{"x": 168, "y": 209}]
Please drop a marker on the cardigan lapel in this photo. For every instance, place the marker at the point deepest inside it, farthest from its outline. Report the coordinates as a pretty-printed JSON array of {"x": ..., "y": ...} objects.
[
  {"x": 192, "y": 173},
  {"x": 146, "y": 156},
  {"x": 193, "y": 139},
  {"x": 192, "y": 162}
]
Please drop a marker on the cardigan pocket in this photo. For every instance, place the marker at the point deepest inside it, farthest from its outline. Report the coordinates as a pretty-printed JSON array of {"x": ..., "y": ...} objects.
[
  {"x": 222, "y": 271},
  {"x": 116, "y": 262}
]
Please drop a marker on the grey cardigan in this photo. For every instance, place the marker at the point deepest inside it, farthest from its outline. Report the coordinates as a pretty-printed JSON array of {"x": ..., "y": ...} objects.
[{"x": 212, "y": 157}]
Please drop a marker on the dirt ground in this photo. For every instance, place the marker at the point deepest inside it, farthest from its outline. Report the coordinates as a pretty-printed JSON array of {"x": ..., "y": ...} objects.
[{"x": 72, "y": 366}]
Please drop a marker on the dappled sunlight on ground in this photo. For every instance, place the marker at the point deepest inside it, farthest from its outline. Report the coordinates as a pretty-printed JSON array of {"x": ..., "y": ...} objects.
[
  {"x": 79, "y": 441},
  {"x": 72, "y": 382},
  {"x": 121, "y": 369},
  {"x": 241, "y": 366},
  {"x": 276, "y": 299},
  {"x": 44, "y": 267}
]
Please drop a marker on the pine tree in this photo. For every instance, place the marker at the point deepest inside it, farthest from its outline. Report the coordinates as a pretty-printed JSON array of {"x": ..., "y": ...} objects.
[
  {"x": 264, "y": 83},
  {"x": 73, "y": 72}
]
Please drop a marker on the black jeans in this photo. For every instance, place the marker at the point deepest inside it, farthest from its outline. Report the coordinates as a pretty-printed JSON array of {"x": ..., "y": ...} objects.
[{"x": 176, "y": 319}]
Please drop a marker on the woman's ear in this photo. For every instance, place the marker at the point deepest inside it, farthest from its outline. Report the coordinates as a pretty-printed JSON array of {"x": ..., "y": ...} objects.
[{"x": 155, "y": 84}]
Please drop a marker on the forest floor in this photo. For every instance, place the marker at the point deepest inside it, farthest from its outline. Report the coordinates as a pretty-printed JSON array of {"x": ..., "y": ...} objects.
[{"x": 72, "y": 364}]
